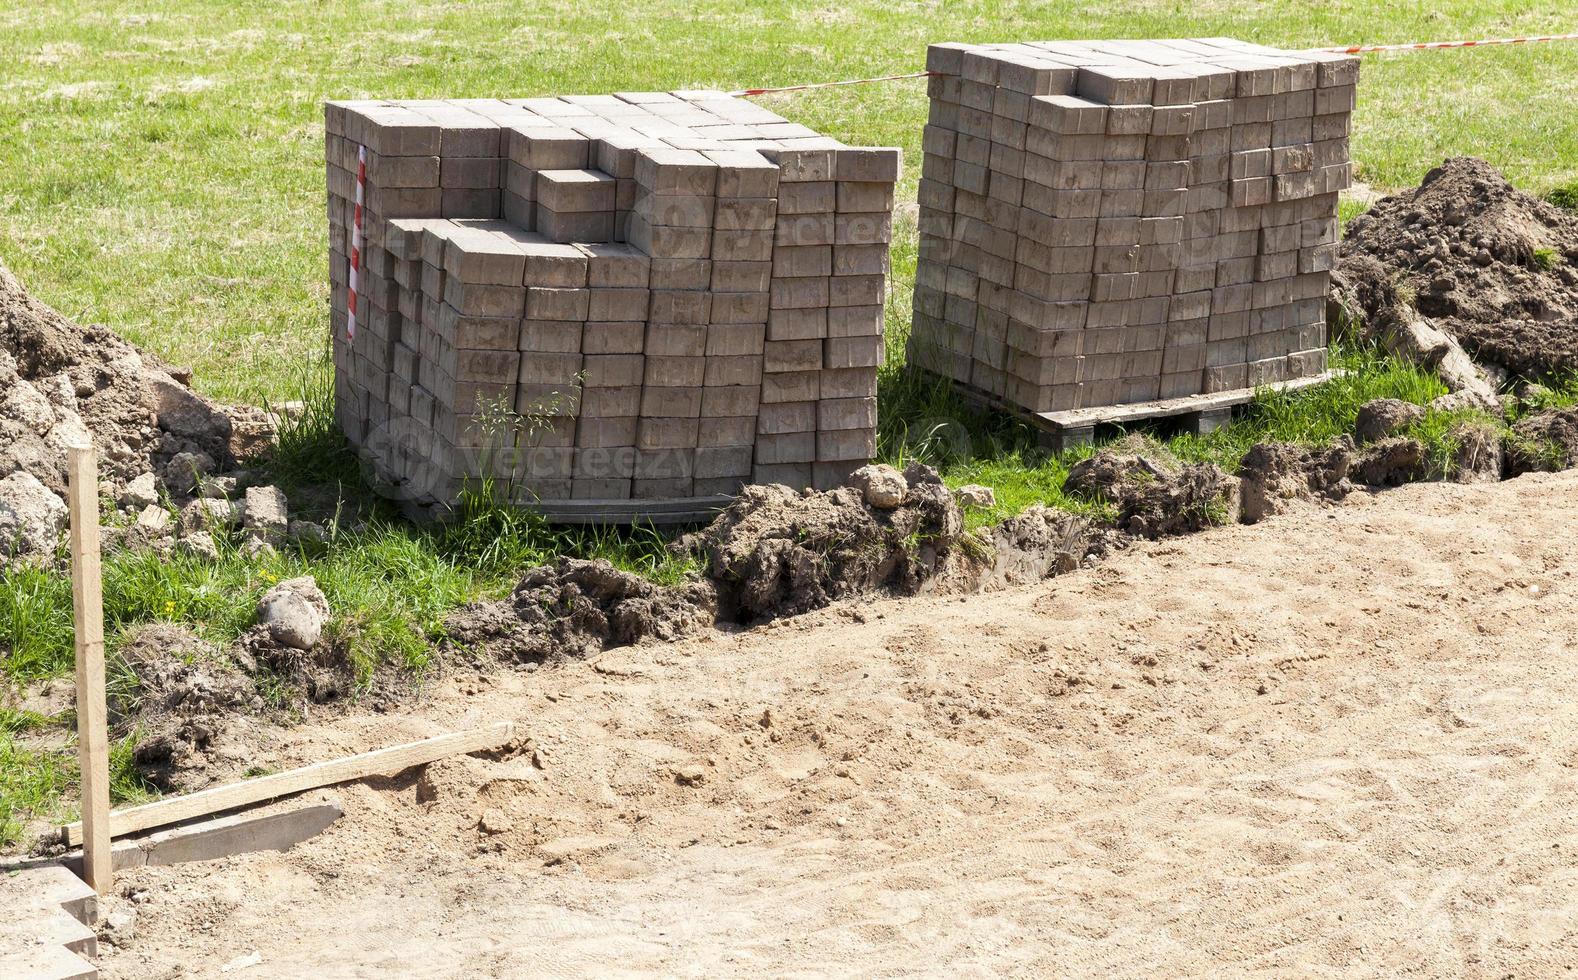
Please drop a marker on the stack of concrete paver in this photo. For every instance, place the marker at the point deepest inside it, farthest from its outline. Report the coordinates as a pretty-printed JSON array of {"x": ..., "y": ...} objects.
[
  {"x": 1108, "y": 222},
  {"x": 636, "y": 296}
]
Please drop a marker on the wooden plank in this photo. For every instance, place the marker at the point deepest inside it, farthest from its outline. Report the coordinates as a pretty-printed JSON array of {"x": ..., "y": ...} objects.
[
  {"x": 683, "y": 510},
  {"x": 381, "y": 762},
  {"x": 93, "y": 741},
  {"x": 1120, "y": 414},
  {"x": 1087, "y": 418},
  {"x": 221, "y": 837}
]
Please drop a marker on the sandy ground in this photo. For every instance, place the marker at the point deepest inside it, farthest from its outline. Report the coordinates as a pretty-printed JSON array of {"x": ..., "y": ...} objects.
[{"x": 1338, "y": 743}]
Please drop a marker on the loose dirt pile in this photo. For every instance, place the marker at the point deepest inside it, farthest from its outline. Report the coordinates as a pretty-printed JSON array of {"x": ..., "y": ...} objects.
[
  {"x": 1491, "y": 266},
  {"x": 576, "y": 608},
  {"x": 1155, "y": 495},
  {"x": 1338, "y": 745},
  {"x": 778, "y": 552},
  {"x": 62, "y": 384}
]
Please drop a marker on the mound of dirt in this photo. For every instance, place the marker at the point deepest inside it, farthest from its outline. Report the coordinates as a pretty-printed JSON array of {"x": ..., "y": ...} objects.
[
  {"x": 1155, "y": 495},
  {"x": 1544, "y": 442},
  {"x": 1390, "y": 462},
  {"x": 62, "y": 384},
  {"x": 1493, "y": 267},
  {"x": 576, "y": 608},
  {"x": 1274, "y": 473},
  {"x": 779, "y": 552},
  {"x": 1035, "y": 544},
  {"x": 187, "y": 693}
]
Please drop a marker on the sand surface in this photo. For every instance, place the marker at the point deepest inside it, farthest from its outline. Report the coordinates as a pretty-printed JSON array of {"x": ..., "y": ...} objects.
[{"x": 1338, "y": 743}]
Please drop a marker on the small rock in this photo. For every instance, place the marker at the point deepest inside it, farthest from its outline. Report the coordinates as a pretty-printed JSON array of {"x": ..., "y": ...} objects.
[
  {"x": 153, "y": 519},
  {"x": 119, "y": 925},
  {"x": 219, "y": 486},
  {"x": 975, "y": 495},
  {"x": 494, "y": 822},
  {"x": 26, "y": 405},
  {"x": 257, "y": 549},
  {"x": 266, "y": 515},
  {"x": 186, "y": 471},
  {"x": 31, "y": 517},
  {"x": 180, "y": 411},
  {"x": 294, "y": 612},
  {"x": 882, "y": 486},
  {"x": 140, "y": 492},
  {"x": 307, "y": 532},
  {"x": 199, "y": 544},
  {"x": 1385, "y": 417},
  {"x": 691, "y": 774},
  {"x": 206, "y": 514}
]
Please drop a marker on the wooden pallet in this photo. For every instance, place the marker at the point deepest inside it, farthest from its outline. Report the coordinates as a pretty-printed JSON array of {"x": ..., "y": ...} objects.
[
  {"x": 1077, "y": 426},
  {"x": 682, "y": 510}
]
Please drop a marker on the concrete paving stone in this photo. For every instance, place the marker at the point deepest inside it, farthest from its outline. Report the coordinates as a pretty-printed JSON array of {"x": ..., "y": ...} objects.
[
  {"x": 833, "y": 445},
  {"x": 738, "y": 370},
  {"x": 680, "y": 306},
  {"x": 788, "y": 447},
  {"x": 464, "y": 173},
  {"x": 676, "y": 339},
  {"x": 622, "y": 337},
  {"x": 853, "y": 290},
  {"x": 675, "y": 210},
  {"x": 610, "y": 265},
  {"x": 611, "y": 402},
  {"x": 674, "y": 370},
  {"x": 746, "y": 214},
  {"x": 739, "y": 308},
  {"x": 786, "y": 417},
  {"x": 681, "y": 273},
  {"x": 480, "y": 299},
  {"x": 854, "y": 321},
  {"x": 713, "y": 462},
  {"x": 555, "y": 303},
  {"x": 847, "y": 413},
  {"x": 790, "y": 386},
  {"x": 743, "y": 245},
  {"x": 852, "y": 352},
  {"x": 725, "y": 430},
  {"x": 664, "y": 433},
  {"x": 744, "y": 277},
  {"x": 870, "y": 228},
  {"x": 598, "y": 432},
  {"x": 613, "y": 370},
  {"x": 660, "y": 401},
  {"x": 807, "y": 197},
  {"x": 549, "y": 369},
  {"x": 616, "y": 305},
  {"x": 809, "y": 323},
  {"x": 575, "y": 190}
]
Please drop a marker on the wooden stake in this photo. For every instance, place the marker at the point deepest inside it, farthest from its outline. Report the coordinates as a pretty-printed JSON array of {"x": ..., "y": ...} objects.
[
  {"x": 93, "y": 742},
  {"x": 217, "y": 799}
]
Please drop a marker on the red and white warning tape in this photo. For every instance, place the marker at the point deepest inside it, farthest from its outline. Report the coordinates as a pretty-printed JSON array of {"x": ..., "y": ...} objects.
[
  {"x": 1354, "y": 49},
  {"x": 812, "y": 85},
  {"x": 356, "y": 242},
  {"x": 1433, "y": 45}
]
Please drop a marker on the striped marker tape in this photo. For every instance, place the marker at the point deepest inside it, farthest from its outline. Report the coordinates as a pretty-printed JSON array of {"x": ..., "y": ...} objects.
[
  {"x": 1354, "y": 49},
  {"x": 813, "y": 85},
  {"x": 1438, "y": 45},
  {"x": 356, "y": 242}
]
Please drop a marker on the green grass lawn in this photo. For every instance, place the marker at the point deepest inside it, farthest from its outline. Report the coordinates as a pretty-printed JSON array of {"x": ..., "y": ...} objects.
[
  {"x": 161, "y": 171},
  {"x": 163, "y": 163}
]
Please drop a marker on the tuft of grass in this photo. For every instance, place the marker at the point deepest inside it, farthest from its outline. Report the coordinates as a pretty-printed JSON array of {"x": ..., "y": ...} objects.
[
  {"x": 1546, "y": 258},
  {"x": 36, "y": 614},
  {"x": 32, "y": 782},
  {"x": 1565, "y": 196}
]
